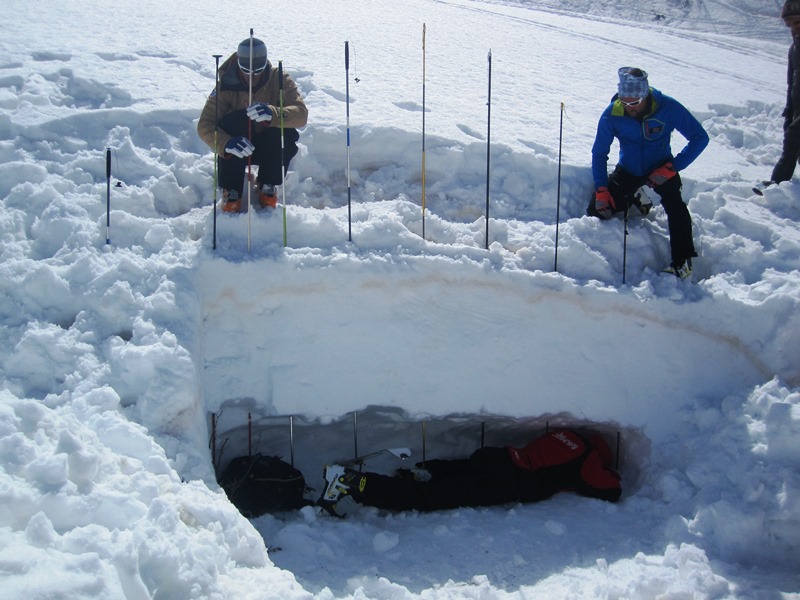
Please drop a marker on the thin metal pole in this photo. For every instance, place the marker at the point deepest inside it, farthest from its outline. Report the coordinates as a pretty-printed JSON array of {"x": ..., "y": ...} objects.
[
  {"x": 424, "y": 439},
  {"x": 283, "y": 167},
  {"x": 108, "y": 195},
  {"x": 625, "y": 240},
  {"x": 558, "y": 192},
  {"x": 250, "y": 137},
  {"x": 347, "y": 103},
  {"x": 488, "y": 146},
  {"x": 216, "y": 151},
  {"x": 355, "y": 434},
  {"x": 423, "y": 130},
  {"x": 214, "y": 440},
  {"x": 291, "y": 439}
]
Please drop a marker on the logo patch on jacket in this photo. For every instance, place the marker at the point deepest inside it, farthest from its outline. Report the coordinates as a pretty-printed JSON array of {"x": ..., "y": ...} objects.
[{"x": 653, "y": 128}]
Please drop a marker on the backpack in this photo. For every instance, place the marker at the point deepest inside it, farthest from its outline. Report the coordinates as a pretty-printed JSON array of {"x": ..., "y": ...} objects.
[{"x": 261, "y": 484}]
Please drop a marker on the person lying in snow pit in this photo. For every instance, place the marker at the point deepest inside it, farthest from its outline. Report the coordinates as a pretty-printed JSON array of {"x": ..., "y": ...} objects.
[{"x": 559, "y": 461}]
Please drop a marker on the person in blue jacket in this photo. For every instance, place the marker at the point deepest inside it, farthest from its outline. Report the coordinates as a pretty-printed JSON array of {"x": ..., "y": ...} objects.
[{"x": 643, "y": 119}]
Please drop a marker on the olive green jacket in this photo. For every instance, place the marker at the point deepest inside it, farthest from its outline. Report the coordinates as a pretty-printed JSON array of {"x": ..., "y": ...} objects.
[{"x": 234, "y": 94}]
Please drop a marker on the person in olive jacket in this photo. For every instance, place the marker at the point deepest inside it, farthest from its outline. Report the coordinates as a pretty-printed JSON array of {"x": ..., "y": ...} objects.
[
  {"x": 244, "y": 118},
  {"x": 642, "y": 118}
]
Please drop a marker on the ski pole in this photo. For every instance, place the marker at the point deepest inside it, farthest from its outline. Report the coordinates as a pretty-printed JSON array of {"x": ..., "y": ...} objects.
[
  {"x": 625, "y": 239},
  {"x": 423, "y": 131},
  {"x": 250, "y": 137},
  {"x": 558, "y": 187},
  {"x": 283, "y": 167},
  {"x": 347, "y": 103},
  {"x": 488, "y": 145},
  {"x": 108, "y": 195},
  {"x": 216, "y": 150}
]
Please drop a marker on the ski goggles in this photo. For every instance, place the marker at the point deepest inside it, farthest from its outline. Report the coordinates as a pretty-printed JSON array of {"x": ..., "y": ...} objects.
[
  {"x": 246, "y": 68},
  {"x": 636, "y": 102}
]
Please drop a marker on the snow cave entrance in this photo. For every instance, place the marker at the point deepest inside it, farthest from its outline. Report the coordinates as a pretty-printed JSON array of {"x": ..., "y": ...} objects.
[{"x": 240, "y": 429}]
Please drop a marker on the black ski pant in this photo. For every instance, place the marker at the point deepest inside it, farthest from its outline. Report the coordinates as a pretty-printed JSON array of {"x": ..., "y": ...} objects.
[
  {"x": 487, "y": 477},
  {"x": 622, "y": 186},
  {"x": 784, "y": 168},
  {"x": 267, "y": 155}
]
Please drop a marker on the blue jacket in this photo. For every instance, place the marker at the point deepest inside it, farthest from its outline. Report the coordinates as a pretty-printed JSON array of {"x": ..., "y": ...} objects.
[{"x": 645, "y": 145}]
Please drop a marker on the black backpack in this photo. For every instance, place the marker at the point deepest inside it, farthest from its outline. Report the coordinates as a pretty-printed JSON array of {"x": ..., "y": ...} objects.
[{"x": 261, "y": 484}]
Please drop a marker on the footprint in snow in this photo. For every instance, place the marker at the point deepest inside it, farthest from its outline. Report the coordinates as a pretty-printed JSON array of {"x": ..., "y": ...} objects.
[
  {"x": 412, "y": 106},
  {"x": 471, "y": 132}
]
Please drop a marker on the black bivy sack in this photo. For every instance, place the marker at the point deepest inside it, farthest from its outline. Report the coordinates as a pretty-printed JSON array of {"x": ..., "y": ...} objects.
[{"x": 261, "y": 484}]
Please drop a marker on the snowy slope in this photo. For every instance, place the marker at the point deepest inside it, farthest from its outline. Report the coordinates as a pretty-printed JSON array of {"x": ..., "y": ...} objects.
[{"x": 116, "y": 355}]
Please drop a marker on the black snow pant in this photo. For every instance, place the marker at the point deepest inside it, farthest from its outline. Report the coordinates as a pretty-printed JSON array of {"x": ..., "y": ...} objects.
[
  {"x": 784, "y": 168},
  {"x": 487, "y": 477},
  {"x": 267, "y": 155},
  {"x": 622, "y": 186}
]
